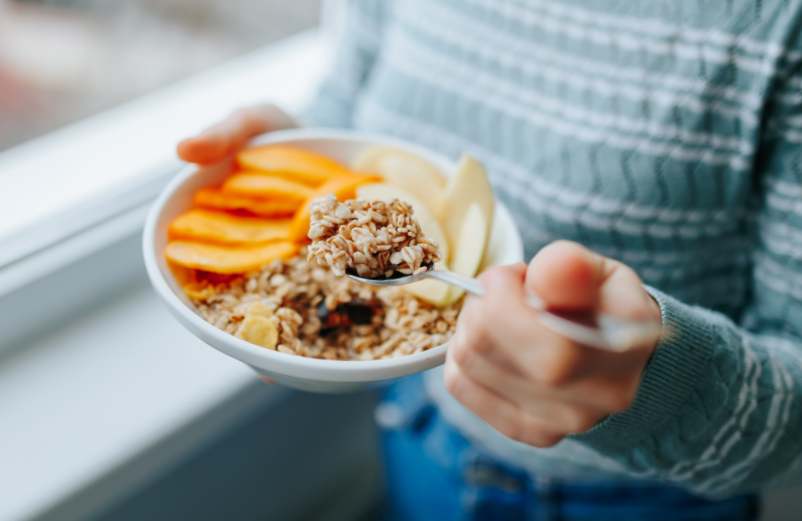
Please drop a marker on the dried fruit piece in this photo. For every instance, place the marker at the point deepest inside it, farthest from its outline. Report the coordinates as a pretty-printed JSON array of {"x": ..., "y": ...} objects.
[
  {"x": 205, "y": 225},
  {"x": 268, "y": 187},
  {"x": 342, "y": 188},
  {"x": 215, "y": 198},
  {"x": 358, "y": 311},
  {"x": 227, "y": 259},
  {"x": 297, "y": 164},
  {"x": 259, "y": 326}
]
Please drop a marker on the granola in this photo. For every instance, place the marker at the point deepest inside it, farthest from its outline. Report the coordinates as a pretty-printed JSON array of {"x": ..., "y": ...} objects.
[
  {"x": 374, "y": 239},
  {"x": 318, "y": 314}
]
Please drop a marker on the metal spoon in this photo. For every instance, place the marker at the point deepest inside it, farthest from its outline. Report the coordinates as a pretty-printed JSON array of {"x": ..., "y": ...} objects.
[{"x": 601, "y": 331}]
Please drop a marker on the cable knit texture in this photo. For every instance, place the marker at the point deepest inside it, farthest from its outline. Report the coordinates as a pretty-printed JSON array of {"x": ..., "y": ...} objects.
[{"x": 665, "y": 134}]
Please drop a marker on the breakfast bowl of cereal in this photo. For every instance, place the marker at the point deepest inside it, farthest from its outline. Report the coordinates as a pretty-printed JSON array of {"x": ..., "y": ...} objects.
[{"x": 251, "y": 256}]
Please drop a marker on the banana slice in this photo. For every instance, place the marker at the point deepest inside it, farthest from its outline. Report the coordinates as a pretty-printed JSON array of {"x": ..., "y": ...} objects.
[{"x": 259, "y": 326}]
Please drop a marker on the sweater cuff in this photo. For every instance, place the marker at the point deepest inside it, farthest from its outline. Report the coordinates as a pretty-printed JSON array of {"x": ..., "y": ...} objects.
[{"x": 679, "y": 362}]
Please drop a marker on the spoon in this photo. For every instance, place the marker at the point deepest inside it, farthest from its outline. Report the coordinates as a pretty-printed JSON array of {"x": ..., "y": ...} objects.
[{"x": 601, "y": 331}]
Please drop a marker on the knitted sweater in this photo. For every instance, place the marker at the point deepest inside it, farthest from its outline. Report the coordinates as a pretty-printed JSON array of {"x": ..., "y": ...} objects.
[{"x": 665, "y": 134}]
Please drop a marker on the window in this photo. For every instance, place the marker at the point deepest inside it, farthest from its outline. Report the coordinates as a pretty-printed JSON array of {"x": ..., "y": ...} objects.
[
  {"x": 62, "y": 60},
  {"x": 95, "y": 94}
]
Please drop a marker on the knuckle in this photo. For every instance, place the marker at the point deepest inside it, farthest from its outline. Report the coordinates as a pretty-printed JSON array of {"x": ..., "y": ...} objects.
[
  {"x": 478, "y": 346},
  {"x": 453, "y": 383},
  {"x": 511, "y": 429},
  {"x": 533, "y": 434},
  {"x": 579, "y": 421},
  {"x": 472, "y": 340},
  {"x": 461, "y": 353},
  {"x": 545, "y": 440},
  {"x": 557, "y": 372},
  {"x": 466, "y": 352}
]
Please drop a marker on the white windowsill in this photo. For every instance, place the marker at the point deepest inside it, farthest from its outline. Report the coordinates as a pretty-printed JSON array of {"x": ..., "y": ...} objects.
[
  {"x": 90, "y": 397},
  {"x": 85, "y": 399}
]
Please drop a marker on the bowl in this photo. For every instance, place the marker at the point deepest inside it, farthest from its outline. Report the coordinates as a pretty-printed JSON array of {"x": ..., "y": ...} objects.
[{"x": 296, "y": 371}]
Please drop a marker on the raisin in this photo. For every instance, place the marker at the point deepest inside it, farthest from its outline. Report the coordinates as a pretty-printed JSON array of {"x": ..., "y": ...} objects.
[
  {"x": 331, "y": 319},
  {"x": 359, "y": 311}
]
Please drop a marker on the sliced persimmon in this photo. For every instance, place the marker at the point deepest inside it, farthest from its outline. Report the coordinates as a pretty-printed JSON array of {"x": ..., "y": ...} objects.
[
  {"x": 227, "y": 259},
  {"x": 298, "y": 164},
  {"x": 342, "y": 187},
  {"x": 256, "y": 185},
  {"x": 206, "y": 225},
  {"x": 217, "y": 199}
]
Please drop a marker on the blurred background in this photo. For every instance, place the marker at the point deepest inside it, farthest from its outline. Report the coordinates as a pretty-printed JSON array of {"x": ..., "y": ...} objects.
[{"x": 61, "y": 60}]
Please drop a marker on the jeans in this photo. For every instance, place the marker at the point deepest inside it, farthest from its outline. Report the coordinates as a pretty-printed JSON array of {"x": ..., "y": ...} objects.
[{"x": 434, "y": 472}]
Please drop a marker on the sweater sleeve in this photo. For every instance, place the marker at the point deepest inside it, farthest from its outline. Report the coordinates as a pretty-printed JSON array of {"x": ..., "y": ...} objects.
[
  {"x": 719, "y": 409},
  {"x": 357, "y": 39}
]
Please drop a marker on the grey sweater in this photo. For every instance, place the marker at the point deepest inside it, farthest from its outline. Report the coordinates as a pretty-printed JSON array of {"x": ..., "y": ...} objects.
[{"x": 665, "y": 134}]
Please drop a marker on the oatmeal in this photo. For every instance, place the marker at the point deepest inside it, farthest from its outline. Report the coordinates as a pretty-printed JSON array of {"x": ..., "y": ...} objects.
[
  {"x": 295, "y": 307},
  {"x": 374, "y": 239}
]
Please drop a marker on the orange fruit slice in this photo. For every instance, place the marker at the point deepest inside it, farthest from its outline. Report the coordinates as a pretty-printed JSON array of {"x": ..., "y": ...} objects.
[
  {"x": 293, "y": 163},
  {"x": 227, "y": 259},
  {"x": 267, "y": 187},
  {"x": 216, "y": 199},
  {"x": 205, "y": 225}
]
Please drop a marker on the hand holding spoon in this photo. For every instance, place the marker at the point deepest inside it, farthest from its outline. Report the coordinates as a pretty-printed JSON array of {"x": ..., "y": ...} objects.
[{"x": 600, "y": 331}]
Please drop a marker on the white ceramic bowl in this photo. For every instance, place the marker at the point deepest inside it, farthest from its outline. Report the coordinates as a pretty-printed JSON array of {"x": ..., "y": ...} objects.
[{"x": 297, "y": 371}]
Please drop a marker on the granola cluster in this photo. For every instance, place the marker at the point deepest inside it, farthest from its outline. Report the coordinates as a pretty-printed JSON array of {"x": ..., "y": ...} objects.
[{"x": 372, "y": 239}]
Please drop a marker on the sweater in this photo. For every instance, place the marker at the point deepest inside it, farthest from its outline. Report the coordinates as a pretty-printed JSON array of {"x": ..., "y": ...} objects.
[{"x": 665, "y": 134}]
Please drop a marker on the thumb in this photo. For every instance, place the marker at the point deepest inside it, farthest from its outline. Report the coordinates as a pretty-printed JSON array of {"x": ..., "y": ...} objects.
[{"x": 566, "y": 276}]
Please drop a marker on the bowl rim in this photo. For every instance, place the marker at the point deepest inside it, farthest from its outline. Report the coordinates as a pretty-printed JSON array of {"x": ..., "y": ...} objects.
[{"x": 298, "y": 366}]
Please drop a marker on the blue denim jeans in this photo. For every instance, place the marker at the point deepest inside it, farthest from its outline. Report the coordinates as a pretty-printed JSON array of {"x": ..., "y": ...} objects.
[{"x": 434, "y": 472}]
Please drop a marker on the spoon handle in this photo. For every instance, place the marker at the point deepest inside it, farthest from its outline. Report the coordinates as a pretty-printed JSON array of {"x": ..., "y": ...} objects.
[{"x": 600, "y": 331}]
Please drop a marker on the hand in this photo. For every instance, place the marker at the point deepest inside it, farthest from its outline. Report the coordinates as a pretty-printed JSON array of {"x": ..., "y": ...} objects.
[
  {"x": 529, "y": 383},
  {"x": 223, "y": 139}
]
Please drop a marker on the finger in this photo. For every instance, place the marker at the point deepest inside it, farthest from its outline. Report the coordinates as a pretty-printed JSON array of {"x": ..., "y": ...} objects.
[
  {"x": 595, "y": 396},
  {"x": 470, "y": 340},
  {"x": 267, "y": 380},
  {"x": 517, "y": 335},
  {"x": 225, "y": 138},
  {"x": 622, "y": 295},
  {"x": 566, "y": 276},
  {"x": 498, "y": 412}
]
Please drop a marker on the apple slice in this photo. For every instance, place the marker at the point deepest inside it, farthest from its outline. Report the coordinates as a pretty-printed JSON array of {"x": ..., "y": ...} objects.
[
  {"x": 468, "y": 186},
  {"x": 227, "y": 260},
  {"x": 469, "y": 248},
  {"x": 406, "y": 171},
  {"x": 432, "y": 291}
]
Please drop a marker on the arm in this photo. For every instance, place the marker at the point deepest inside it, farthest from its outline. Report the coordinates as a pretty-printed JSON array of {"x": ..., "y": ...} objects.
[{"x": 720, "y": 406}]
